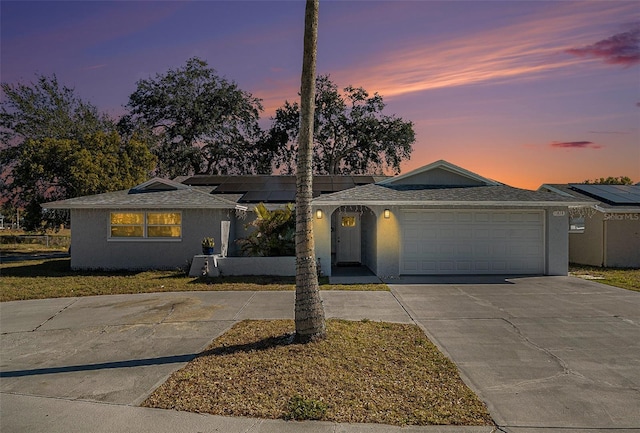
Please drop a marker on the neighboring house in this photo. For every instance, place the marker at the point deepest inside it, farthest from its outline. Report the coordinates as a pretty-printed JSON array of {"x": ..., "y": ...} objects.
[
  {"x": 608, "y": 232},
  {"x": 439, "y": 219}
]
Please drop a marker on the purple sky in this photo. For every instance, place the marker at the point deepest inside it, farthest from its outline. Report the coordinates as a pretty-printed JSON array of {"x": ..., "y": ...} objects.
[{"x": 521, "y": 92}]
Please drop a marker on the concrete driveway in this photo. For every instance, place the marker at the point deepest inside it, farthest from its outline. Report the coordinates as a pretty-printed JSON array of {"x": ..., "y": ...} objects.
[{"x": 545, "y": 353}]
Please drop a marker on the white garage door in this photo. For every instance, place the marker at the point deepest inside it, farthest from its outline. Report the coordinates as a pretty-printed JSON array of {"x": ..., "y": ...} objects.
[{"x": 472, "y": 242}]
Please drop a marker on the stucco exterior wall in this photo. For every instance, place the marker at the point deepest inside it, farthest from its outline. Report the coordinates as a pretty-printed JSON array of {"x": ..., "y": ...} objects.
[
  {"x": 322, "y": 238},
  {"x": 557, "y": 241},
  {"x": 622, "y": 241},
  {"x": 586, "y": 248},
  {"x": 91, "y": 248},
  {"x": 388, "y": 245},
  {"x": 369, "y": 239}
]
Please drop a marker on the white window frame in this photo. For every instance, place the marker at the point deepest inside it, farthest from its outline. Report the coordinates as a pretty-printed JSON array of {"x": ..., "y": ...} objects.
[{"x": 145, "y": 224}]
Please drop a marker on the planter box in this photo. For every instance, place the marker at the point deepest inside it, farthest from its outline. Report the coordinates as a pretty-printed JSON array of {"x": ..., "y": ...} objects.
[
  {"x": 280, "y": 266},
  {"x": 204, "y": 266}
]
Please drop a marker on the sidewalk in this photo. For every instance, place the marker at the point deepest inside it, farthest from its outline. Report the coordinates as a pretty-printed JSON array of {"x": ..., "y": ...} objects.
[{"x": 48, "y": 415}]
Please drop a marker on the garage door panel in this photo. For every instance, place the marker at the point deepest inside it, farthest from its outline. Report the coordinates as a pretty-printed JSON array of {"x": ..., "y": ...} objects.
[
  {"x": 482, "y": 266},
  {"x": 481, "y": 233},
  {"x": 481, "y": 217},
  {"x": 465, "y": 217},
  {"x": 499, "y": 217},
  {"x": 500, "y": 233},
  {"x": 449, "y": 242},
  {"x": 411, "y": 248}
]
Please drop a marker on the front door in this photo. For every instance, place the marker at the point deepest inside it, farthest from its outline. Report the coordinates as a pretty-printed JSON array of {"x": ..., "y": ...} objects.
[{"x": 348, "y": 239}]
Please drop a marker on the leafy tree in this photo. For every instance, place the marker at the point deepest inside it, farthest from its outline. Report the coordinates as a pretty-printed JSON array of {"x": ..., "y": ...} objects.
[
  {"x": 10, "y": 213},
  {"x": 57, "y": 146},
  {"x": 309, "y": 313},
  {"x": 351, "y": 135},
  {"x": 54, "y": 169},
  {"x": 45, "y": 109},
  {"x": 203, "y": 123},
  {"x": 274, "y": 232},
  {"x": 622, "y": 180}
]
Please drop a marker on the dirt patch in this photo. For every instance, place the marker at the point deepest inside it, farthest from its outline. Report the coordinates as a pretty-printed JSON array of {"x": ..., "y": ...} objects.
[{"x": 163, "y": 309}]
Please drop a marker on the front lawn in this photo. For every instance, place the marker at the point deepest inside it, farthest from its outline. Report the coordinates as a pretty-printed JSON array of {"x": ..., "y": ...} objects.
[
  {"x": 626, "y": 278},
  {"x": 363, "y": 372},
  {"x": 53, "y": 278}
]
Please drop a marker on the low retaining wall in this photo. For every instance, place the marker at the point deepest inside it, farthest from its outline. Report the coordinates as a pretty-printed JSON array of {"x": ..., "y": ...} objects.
[
  {"x": 213, "y": 266},
  {"x": 281, "y": 266}
]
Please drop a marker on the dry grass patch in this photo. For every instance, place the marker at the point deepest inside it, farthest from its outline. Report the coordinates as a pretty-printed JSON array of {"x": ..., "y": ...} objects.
[
  {"x": 53, "y": 278},
  {"x": 626, "y": 278},
  {"x": 364, "y": 372}
]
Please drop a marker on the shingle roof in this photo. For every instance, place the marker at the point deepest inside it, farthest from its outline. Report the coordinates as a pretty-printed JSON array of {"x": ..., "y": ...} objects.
[
  {"x": 429, "y": 195},
  {"x": 188, "y": 198}
]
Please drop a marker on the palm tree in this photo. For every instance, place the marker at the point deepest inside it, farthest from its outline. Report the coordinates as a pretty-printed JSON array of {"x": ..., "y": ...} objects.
[{"x": 309, "y": 313}]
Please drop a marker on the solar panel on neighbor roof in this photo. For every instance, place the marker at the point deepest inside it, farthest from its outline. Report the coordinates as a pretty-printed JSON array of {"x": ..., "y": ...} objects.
[{"x": 614, "y": 194}]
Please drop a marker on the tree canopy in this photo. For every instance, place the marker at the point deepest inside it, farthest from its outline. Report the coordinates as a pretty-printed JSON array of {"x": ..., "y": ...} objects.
[
  {"x": 621, "y": 180},
  {"x": 57, "y": 146},
  {"x": 351, "y": 134},
  {"x": 46, "y": 109},
  {"x": 203, "y": 122}
]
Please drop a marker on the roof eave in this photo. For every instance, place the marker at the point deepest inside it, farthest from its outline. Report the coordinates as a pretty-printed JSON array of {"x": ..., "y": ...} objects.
[
  {"x": 138, "y": 206},
  {"x": 432, "y": 203},
  {"x": 616, "y": 210}
]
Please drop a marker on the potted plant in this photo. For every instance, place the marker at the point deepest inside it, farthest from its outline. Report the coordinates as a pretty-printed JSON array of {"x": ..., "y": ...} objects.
[{"x": 207, "y": 246}]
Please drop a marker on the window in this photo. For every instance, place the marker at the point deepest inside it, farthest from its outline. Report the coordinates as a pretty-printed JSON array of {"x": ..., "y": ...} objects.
[
  {"x": 127, "y": 225},
  {"x": 164, "y": 225},
  {"x": 348, "y": 221},
  {"x": 576, "y": 224},
  {"x": 137, "y": 225}
]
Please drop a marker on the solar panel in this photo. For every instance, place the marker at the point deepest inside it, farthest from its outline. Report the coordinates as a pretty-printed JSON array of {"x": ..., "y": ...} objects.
[
  {"x": 255, "y": 197},
  {"x": 274, "y": 188},
  {"x": 282, "y": 196},
  {"x": 613, "y": 194}
]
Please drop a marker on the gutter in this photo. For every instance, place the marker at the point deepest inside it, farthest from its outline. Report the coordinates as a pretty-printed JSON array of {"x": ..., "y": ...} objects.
[
  {"x": 454, "y": 203},
  {"x": 618, "y": 210}
]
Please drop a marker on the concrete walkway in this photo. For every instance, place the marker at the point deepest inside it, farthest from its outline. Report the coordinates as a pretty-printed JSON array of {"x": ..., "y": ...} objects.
[{"x": 543, "y": 353}]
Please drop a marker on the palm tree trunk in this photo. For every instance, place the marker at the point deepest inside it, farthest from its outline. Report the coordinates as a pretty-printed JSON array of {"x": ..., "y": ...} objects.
[{"x": 309, "y": 312}]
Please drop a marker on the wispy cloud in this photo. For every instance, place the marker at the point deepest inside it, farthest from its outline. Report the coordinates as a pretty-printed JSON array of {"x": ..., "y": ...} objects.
[
  {"x": 574, "y": 145},
  {"x": 619, "y": 49},
  {"x": 522, "y": 51}
]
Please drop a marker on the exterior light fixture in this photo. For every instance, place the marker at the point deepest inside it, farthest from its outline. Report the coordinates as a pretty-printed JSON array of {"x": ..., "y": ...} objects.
[
  {"x": 319, "y": 214},
  {"x": 387, "y": 213}
]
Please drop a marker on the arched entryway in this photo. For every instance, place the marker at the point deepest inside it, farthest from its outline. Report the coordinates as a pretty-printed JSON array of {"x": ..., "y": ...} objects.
[{"x": 353, "y": 239}]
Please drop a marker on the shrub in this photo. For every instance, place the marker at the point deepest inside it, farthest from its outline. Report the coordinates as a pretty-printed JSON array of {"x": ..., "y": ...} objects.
[
  {"x": 274, "y": 232},
  {"x": 300, "y": 408}
]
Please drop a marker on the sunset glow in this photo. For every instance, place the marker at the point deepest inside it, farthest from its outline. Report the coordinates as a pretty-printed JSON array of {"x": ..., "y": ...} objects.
[{"x": 521, "y": 92}]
